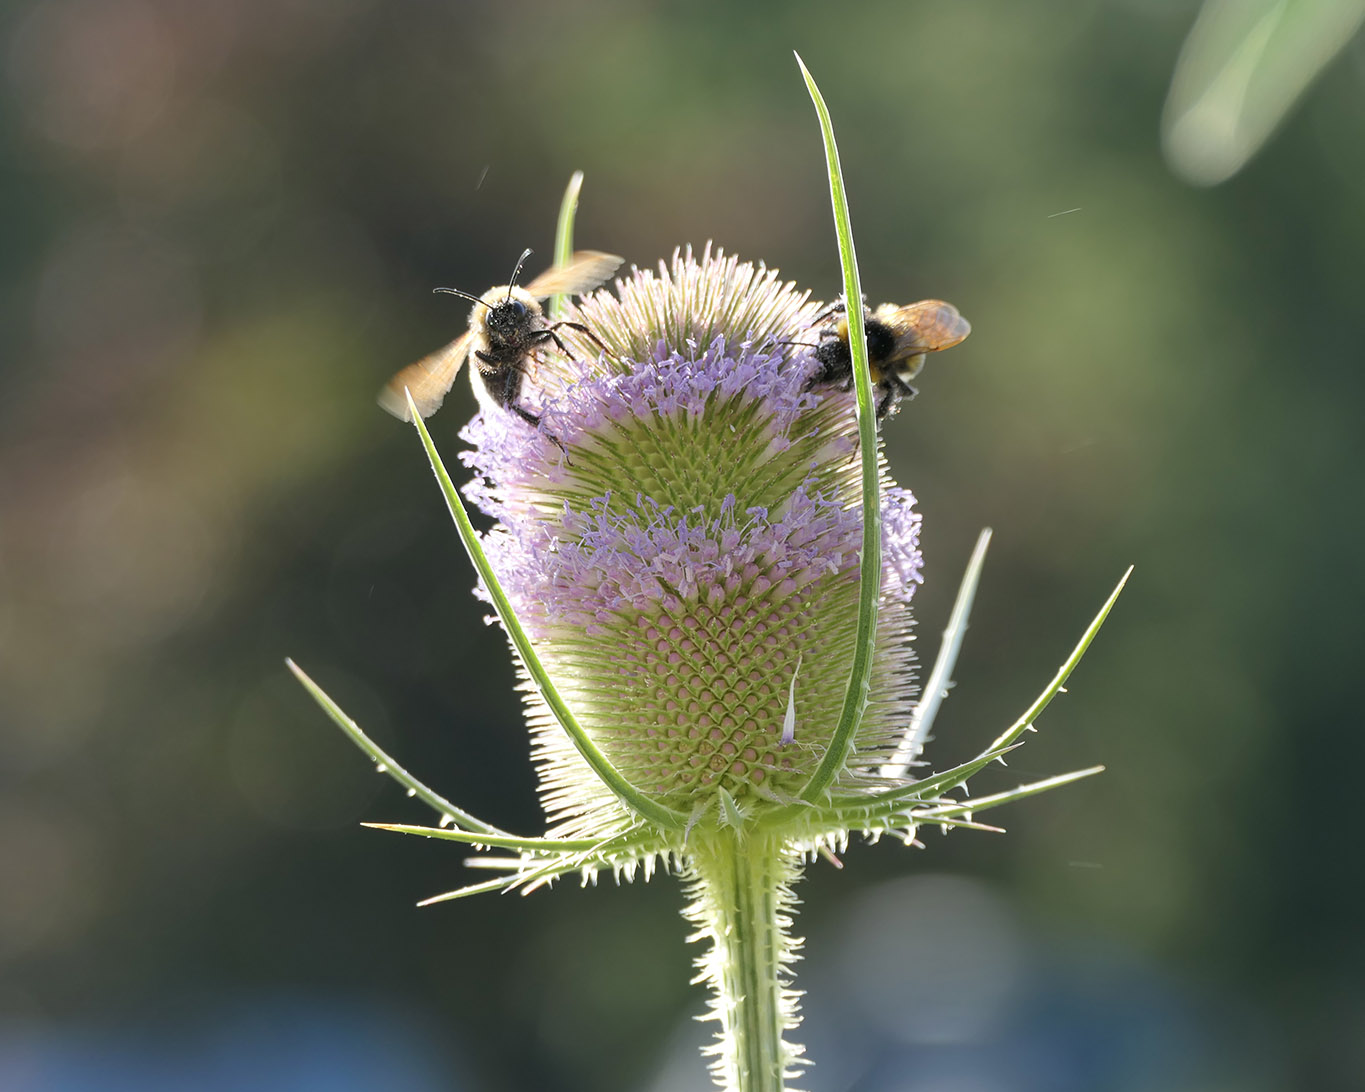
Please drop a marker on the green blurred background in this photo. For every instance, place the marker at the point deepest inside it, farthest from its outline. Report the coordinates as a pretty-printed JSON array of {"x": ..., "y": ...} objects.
[{"x": 221, "y": 226}]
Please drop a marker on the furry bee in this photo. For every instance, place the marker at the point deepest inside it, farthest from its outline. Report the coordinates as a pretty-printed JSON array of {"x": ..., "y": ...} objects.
[
  {"x": 897, "y": 340},
  {"x": 506, "y": 325}
]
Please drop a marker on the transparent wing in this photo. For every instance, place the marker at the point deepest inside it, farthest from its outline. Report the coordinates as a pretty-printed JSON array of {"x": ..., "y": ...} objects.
[
  {"x": 585, "y": 270},
  {"x": 924, "y": 327},
  {"x": 428, "y": 380}
]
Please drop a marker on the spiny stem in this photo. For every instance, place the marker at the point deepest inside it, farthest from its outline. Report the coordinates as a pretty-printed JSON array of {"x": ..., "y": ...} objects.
[{"x": 740, "y": 887}]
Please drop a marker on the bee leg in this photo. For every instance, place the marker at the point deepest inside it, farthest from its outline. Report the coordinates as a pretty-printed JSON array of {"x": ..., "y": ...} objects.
[
  {"x": 887, "y": 404},
  {"x": 507, "y": 397},
  {"x": 548, "y": 334},
  {"x": 904, "y": 388},
  {"x": 533, "y": 419},
  {"x": 563, "y": 451},
  {"x": 828, "y": 313},
  {"x": 893, "y": 391},
  {"x": 785, "y": 360},
  {"x": 838, "y": 307},
  {"x": 582, "y": 330}
]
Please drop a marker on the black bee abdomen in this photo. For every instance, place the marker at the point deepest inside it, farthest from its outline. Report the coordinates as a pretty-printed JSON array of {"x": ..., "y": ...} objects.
[
  {"x": 881, "y": 340},
  {"x": 833, "y": 354},
  {"x": 835, "y": 363},
  {"x": 836, "y": 359}
]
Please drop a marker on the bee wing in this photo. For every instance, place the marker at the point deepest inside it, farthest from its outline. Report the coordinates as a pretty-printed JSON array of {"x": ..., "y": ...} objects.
[
  {"x": 428, "y": 380},
  {"x": 586, "y": 269},
  {"x": 925, "y": 327}
]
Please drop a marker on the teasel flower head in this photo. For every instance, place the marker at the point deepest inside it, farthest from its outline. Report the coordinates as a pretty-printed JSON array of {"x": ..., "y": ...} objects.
[
  {"x": 689, "y": 559},
  {"x": 706, "y": 573}
]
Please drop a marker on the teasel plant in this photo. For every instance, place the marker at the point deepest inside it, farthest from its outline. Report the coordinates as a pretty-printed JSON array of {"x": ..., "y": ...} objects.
[{"x": 706, "y": 574}]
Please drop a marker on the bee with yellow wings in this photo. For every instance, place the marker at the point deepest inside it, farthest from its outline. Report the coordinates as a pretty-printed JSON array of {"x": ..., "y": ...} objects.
[
  {"x": 506, "y": 325},
  {"x": 897, "y": 340}
]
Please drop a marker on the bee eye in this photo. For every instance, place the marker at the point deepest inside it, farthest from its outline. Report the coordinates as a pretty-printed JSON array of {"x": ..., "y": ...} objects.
[{"x": 518, "y": 308}]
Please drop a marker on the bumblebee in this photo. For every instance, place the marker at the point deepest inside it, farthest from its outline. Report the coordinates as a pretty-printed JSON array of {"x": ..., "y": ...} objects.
[
  {"x": 506, "y": 326},
  {"x": 897, "y": 340}
]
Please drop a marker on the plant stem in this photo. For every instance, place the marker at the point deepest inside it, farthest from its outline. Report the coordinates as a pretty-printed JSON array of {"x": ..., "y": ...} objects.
[{"x": 741, "y": 900}]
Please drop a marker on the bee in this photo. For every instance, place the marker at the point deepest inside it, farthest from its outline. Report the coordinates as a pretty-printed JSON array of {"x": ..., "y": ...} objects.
[
  {"x": 506, "y": 325},
  {"x": 897, "y": 340}
]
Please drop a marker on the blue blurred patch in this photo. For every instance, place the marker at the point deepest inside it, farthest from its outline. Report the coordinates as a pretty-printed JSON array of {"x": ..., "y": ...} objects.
[{"x": 294, "y": 1043}]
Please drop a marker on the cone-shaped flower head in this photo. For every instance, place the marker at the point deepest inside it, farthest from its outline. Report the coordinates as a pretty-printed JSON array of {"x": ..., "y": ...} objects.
[{"x": 681, "y": 538}]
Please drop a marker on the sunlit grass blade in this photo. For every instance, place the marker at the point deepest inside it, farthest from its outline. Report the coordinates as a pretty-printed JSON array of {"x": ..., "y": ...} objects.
[
  {"x": 982, "y": 803},
  {"x": 501, "y": 864},
  {"x": 527, "y": 881},
  {"x": 906, "y": 795},
  {"x": 535, "y": 671},
  {"x": 956, "y": 823},
  {"x": 572, "y": 851},
  {"x": 610, "y": 855},
  {"x": 385, "y": 764},
  {"x": 502, "y": 883},
  {"x": 1023, "y": 724},
  {"x": 940, "y": 677},
  {"x": 494, "y": 841},
  {"x": 870, "y": 571},
  {"x": 547, "y": 872},
  {"x": 568, "y": 209}
]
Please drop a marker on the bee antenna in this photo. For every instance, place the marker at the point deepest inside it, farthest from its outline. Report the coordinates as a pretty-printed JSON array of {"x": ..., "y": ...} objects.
[
  {"x": 462, "y": 295},
  {"x": 517, "y": 272}
]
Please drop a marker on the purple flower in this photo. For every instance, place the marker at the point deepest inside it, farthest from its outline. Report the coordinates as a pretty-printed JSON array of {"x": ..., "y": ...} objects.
[{"x": 696, "y": 534}]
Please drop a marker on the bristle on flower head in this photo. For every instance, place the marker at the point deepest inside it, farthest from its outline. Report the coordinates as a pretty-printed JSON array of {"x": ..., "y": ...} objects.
[{"x": 700, "y": 538}]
